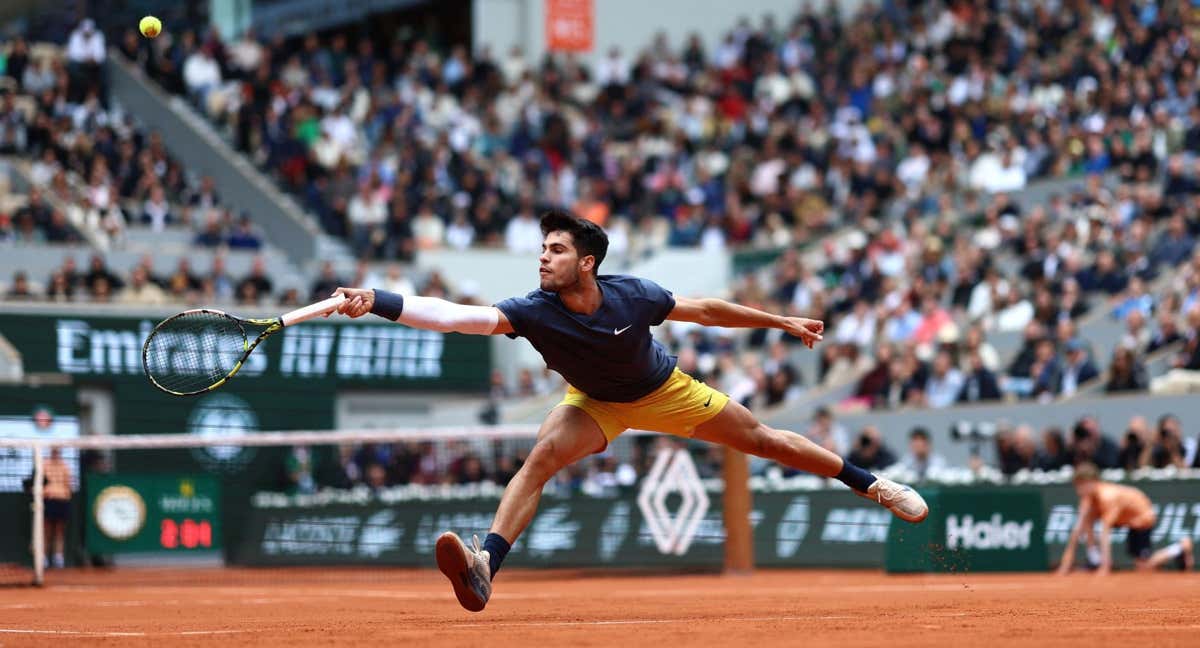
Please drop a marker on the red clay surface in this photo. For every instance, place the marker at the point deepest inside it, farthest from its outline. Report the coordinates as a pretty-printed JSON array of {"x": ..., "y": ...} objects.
[{"x": 540, "y": 609}]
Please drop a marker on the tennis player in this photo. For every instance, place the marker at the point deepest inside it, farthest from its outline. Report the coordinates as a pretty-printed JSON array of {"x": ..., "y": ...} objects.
[
  {"x": 595, "y": 331},
  {"x": 1115, "y": 506}
]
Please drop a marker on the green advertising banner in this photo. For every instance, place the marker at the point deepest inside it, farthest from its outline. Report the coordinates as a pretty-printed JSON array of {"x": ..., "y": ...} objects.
[
  {"x": 175, "y": 514},
  {"x": 348, "y": 353},
  {"x": 972, "y": 529},
  {"x": 796, "y": 530},
  {"x": 984, "y": 529}
]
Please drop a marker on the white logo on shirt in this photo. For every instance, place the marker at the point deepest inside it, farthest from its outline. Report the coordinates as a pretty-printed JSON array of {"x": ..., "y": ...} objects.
[{"x": 618, "y": 332}]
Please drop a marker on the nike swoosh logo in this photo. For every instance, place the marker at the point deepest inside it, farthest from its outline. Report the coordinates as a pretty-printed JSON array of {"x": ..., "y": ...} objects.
[
  {"x": 618, "y": 332},
  {"x": 708, "y": 401}
]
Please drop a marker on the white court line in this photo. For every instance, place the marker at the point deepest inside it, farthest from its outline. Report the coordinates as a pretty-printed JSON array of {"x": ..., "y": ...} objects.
[
  {"x": 618, "y": 622},
  {"x": 940, "y": 587},
  {"x": 1141, "y": 627},
  {"x": 102, "y": 633}
]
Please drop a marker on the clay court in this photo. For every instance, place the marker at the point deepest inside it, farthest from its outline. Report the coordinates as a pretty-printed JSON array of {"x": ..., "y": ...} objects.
[{"x": 542, "y": 608}]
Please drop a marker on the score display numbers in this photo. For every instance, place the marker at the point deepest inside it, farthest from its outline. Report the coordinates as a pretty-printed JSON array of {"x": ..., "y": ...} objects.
[
  {"x": 153, "y": 513},
  {"x": 186, "y": 533}
]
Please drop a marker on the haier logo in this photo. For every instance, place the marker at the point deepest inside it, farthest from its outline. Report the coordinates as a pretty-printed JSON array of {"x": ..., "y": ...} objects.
[{"x": 995, "y": 533}]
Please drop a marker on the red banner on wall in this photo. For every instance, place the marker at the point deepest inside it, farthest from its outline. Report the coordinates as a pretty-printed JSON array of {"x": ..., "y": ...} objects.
[{"x": 570, "y": 25}]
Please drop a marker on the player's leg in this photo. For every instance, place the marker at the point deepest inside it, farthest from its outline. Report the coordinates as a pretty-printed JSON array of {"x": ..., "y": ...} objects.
[
  {"x": 1180, "y": 550},
  {"x": 736, "y": 427},
  {"x": 567, "y": 435},
  {"x": 60, "y": 534}
]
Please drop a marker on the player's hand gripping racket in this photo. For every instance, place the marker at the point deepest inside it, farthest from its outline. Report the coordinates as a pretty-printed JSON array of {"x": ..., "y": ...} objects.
[{"x": 198, "y": 350}]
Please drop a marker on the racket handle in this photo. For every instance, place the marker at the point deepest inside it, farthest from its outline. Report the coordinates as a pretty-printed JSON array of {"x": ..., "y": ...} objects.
[{"x": 319, "y": 309}]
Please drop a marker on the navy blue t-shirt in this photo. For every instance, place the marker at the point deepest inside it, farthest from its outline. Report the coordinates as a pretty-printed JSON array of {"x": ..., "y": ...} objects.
[{"x": 608, "y": 355}]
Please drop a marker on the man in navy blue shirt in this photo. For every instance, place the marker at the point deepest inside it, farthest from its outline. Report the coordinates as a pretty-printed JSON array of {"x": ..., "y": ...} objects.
[{"x": 595, "y": 331}]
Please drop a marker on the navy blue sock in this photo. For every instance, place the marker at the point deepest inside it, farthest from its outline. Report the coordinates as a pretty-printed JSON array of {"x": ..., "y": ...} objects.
[
  {"x": 855, "y": 477},
  {"x": 497, "y": 548}
]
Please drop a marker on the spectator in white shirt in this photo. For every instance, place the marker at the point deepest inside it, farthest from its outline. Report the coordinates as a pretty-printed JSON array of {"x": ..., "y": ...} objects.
[
  {"x": 920, "y": 458},
  {"x": 396, "y": 282},
  {"x": 858, "y": 326},
  {"x": 201, "y": 74},
  {"x": 612, "y": 69},
  {"x": 85, "y": 60},
  {"x": 86, "y": 44},
  {"x": 367, "y": 215},
  {"x": 156, "y": 211},
  {"x": 428, "y": 230},
  {"x": 246, "y": 54},
  {"x": 523, "y": 233},
  {"x": 945, "y": 382},
  {"x": 461, "y": 233}
]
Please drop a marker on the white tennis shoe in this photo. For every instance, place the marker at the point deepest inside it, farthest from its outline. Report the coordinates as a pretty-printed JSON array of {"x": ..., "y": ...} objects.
[
  {"x": 468, "y": 569},
  {"x": 904, "y": 502}
]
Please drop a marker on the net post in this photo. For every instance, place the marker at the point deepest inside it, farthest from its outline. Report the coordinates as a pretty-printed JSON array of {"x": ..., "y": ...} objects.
[
  {"x": 739, "y": 541},
  {"x": 39, "y": 516}
]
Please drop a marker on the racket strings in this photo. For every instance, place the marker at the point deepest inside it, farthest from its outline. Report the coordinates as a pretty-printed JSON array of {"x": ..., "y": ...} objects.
[{"x": 193, "y": 351}]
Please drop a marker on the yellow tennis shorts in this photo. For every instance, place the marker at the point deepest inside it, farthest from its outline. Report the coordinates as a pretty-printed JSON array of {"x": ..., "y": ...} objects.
[{"x": 676, "y": 407}]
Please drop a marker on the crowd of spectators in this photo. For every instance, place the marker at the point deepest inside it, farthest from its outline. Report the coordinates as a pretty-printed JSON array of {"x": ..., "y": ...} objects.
[
  {"x": 384, "y": 465},
  {"x": 93, "y": 172},
  {"x": 1020, "y": 447},
  {"x": 1007, "y": 450},
  {"x": 772, "y": 136},
  {"x": 185, "y": 284},
  {"x": 914, "y": 125}
]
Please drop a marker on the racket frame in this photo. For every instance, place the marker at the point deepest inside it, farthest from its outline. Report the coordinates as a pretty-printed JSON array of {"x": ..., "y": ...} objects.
[{"x": 272, "y": 326}]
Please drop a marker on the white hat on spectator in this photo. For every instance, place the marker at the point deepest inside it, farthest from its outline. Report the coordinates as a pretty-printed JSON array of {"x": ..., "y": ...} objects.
[
  {"x": 948, "y": 334},
  {"x": 856, "y": 240},
  {"x": 987, "y": 239},
  {"x": 1094, "y": 123},
  {"x": 892, "y": 301}
]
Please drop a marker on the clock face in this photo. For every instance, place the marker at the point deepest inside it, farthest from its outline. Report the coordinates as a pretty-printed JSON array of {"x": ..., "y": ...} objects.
[{"x": 120, "y": 512}]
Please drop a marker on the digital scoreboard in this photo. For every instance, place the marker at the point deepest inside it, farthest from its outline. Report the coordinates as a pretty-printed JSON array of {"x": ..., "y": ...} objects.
[{"x": 149, "y": 513}]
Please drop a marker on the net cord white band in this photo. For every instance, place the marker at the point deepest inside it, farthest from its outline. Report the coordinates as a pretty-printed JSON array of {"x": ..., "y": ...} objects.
[{"x": 304, "y": 437}]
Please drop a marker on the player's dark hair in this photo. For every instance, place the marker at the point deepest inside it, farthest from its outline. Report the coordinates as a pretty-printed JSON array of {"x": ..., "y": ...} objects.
[
  {"x": 587, "y": 236},
  {"x": 919, "y": 433}
]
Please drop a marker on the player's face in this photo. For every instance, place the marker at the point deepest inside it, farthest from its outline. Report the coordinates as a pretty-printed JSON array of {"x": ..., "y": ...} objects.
[{"x": 558, "y": 263}]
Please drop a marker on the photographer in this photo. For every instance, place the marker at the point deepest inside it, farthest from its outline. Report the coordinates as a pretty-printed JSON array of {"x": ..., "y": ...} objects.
[
  {"x": 1016, "y": 449},
  {"x": 920, "y": 458},
  {"x": 1168, "y": 447},
  {"x": 1135, "y": 447},
  {"x": 1092, "y": 446},
  {"x": 1054, "y": 454},
  {"x": 870, "y": 452}
]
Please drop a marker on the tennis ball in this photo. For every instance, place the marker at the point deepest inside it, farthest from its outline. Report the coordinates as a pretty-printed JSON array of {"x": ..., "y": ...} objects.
[{"x": 150, "y": 26}]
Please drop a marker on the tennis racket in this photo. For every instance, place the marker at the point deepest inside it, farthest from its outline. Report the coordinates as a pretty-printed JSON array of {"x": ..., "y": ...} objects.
[{"x": 198, "y": 350}]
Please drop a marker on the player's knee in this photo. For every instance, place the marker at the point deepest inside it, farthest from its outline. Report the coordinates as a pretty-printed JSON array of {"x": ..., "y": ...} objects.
[{"x": 543, "y": 461}]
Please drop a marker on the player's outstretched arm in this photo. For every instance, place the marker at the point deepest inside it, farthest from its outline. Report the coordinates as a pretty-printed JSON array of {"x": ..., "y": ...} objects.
[
  {"x": 1082, "y": 522},
  {"x": 718, "y": 312},
  {"x": 429, "y": 313}
]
